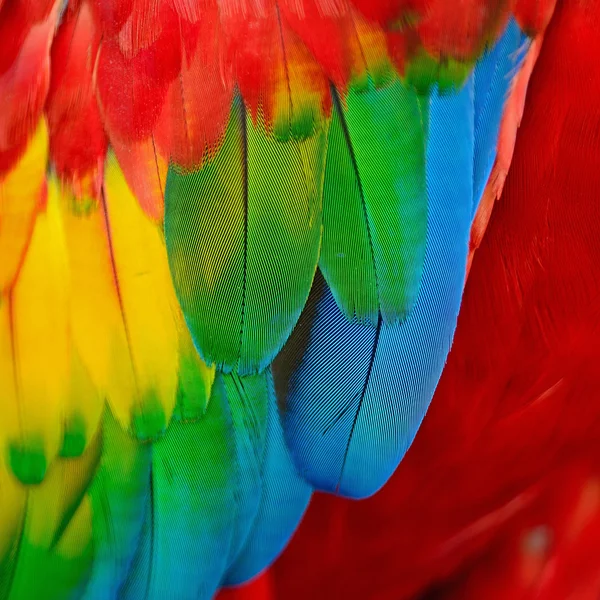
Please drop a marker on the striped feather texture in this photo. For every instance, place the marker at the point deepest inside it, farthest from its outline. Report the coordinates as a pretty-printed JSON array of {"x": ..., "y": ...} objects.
[
  {"x": 188, "y": 527},
  {"x": 235, "y": 231},
  {"x": 119, "y": 495},
  {"x": 353, "y": 396},
  {"x": 283, "y": 499},
  {"x": 375, "y": 203},
  {"x": 169, "y": 180}
]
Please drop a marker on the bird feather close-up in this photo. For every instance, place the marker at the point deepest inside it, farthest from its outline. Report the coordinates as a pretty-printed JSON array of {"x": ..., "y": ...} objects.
[{"x": 299, "y": 298}]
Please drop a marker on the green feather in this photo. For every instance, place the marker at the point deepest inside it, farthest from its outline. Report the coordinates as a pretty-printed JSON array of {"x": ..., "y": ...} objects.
[
  {"x": 243, "y": 236},
  {"x": 187, "y": 533},
  {"x": 248, "y": 401},
  {"x": 119, "y": 493},
  {"x": 375, "y": 202}
]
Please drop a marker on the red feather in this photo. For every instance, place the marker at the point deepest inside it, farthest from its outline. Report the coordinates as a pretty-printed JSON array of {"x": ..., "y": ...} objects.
[
  {"x": 196, "y": 112},
  {"x": 77, "y": 139},
  {"x": 25, "y": 80}
]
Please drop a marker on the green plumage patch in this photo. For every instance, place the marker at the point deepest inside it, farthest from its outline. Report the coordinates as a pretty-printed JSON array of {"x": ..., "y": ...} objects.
[
  {"x": 375, "y": 202},
  {"x": 243, "y": 236}
]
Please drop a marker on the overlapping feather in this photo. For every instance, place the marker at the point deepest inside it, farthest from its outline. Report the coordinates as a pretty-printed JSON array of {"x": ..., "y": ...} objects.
[
  {"x": 353, "y": 396},
  {"x": 249, "y": 104}
]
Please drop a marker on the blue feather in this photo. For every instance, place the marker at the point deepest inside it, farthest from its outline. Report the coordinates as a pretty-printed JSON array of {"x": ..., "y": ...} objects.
[
  {"x": 285, "y": 496},
  {"x": 353, "y": 396}
]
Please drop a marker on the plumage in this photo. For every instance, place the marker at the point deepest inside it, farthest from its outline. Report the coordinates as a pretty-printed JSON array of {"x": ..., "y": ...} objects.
[
  {"x": 375, "y": 187},
  {"x": 124, "y": 317},
  {"x": 345, "y": 390},
  {"x": 25, "y": 78},
  {"x": 189, "y": 523},
  {"x": 248, "y": 399},
  {"x": 493, "y": 76},
  {"x": 119, "y": 496},
  {"x": 55, "y": 531},
  {"x": 354, "y": 401},
  {"x": 498, "y": 496},
  {"x": 36, "y": 351},
  {"x": 283, "y": 499},
  {"x": 71, "y": 107},
  {"x": 186, "y": 188},
  {"x": 22, "y": 191},
  {"x": 234, "y": 230}
]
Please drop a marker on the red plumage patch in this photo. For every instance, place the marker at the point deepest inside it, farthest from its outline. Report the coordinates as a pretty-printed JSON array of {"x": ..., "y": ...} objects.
[
  {"x": 77, "y": 139},
  {"x": 278, "y": 55},
  {"x": 25, "y": 79}
]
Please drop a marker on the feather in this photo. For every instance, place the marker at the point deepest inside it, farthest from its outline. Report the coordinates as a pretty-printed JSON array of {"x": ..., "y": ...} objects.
[
  {"x": 196, "y": 378},
  {"x": 35, "y": 352},
  {"x": 516, "y": 413},
  {"x": 493, "y": 76},
  {"x": 54, "y": 538},
  {"x": 200, "y": 516},
  {"x": 82, "y": 410},
  {"x": 13, "y": 498},
  {"x": 248, "y": 398},
  {"x": 277, "y": 75},
  {"x": 145, "y": 170},
  {"x": 507, "y": 135},
  {"x": 24, "y": 84},
  {"x": 190, "y": 521},
  {"x": 283, "y": 500},
  {"x": 534, "y": 15},
  {"x": 351, "y": 50},
  {"x": 235, "y": 230},
  {"x": 353, "y": 396},
  {"x": 77, "y": 139},
  {"x": 22, "y": 190},
  {"x": 131, "y": 89},
  {"x": 193, "y": 121},
  {"x": 124, "y": 309},
  {"x": 118, "y": 497},
  {"x": 375, "y": 203}
]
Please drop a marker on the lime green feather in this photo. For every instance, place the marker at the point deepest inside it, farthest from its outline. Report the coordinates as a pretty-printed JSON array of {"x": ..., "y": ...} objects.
[
  {"x": 375, "y": 202},
  {"x": 243, "y": 236},
  {"x": 119, "y": 494}
]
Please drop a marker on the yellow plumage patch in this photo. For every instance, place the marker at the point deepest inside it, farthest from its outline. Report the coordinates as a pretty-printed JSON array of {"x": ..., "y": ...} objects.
[
  {"x": 20, "y": 193},
  {"x": 35, "y": 350},
  {"x": 124, "y": 306}
]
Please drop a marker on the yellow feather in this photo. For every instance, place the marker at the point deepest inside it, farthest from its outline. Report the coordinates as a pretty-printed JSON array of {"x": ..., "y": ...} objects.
[
  {"x": 83, "y": 410},
  {"x": 20, "y": 191},
  {"x": 35, "y": 350},
  {"x": 148, "y": 300},
  {"x": 124, "y": 319},
  {"x": 98, "y": 330}
]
